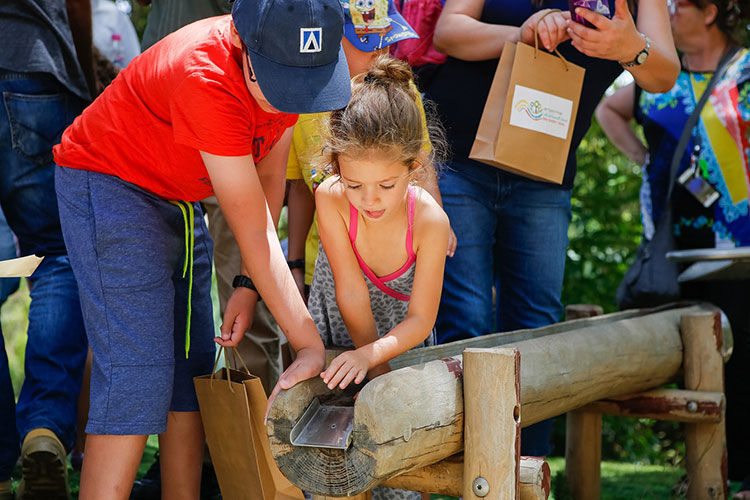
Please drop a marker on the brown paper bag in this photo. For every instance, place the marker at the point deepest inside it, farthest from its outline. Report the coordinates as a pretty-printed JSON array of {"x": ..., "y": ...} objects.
[
  {"x": 528, "y": 119},
  {"x": 232, "y": 405}
]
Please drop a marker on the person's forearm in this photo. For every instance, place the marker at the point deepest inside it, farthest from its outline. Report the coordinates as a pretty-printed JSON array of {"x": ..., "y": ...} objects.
[
  {"x": 356, "y": 312},
  {"x": 79, "y": 19},
  {"x": 406, "y": 335},
  {"x": 621, "y": 135},
  {"x": 268, "y": 266},
  {"x": 464, "y": 37},
  {"x": 273, "y": 182},
  {"x": 301, "y": 213},
  {"x": 659, "y": 73}
]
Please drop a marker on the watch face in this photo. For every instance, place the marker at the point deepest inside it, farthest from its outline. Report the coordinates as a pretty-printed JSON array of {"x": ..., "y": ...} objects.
[{"x": 641, "y": 58}]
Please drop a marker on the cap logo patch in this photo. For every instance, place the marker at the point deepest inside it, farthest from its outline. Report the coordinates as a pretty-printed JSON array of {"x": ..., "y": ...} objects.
[{"x": 310, "y": 40}]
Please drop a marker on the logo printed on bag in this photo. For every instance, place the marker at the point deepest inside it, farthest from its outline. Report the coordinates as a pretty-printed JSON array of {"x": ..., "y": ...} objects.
[
  {"x": 534, "y": 108},
  {"x": 546, "y": 113},
  {"x": 310, "y": 40}
]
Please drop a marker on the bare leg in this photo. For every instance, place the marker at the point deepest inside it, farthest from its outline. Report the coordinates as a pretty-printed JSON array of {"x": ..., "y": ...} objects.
[
  {"x": 109, "y": 466},
  {"x": 181, "y": 456}
]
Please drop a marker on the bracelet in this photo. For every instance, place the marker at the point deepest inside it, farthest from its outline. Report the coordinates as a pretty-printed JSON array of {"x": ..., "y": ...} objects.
[
  {"x": 296, "y": 264},
  {"x": 244, "y": 281}
]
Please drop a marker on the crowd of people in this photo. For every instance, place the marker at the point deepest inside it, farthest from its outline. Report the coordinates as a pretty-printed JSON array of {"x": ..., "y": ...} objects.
[{"x": 135, "y": 190}]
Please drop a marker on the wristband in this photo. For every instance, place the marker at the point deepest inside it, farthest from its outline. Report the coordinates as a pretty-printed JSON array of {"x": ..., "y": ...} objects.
[
  {"x": 244, "y": 281},
  {"x": 296, "y": 264}
]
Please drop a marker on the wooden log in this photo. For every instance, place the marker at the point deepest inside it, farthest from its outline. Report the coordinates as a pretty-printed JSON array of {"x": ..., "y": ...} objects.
[
  {"x": 492, "y": 423},
  {"x": 583, "y": 453},
  {"x": 446, "y": 478},
  {"x": 367, "y": 495},
  {"x": 705, "y": 443},
  {"x": 665, "y": 404},
  {"x": 583, "y": 436},
  {"x": 413, "y": 417}
]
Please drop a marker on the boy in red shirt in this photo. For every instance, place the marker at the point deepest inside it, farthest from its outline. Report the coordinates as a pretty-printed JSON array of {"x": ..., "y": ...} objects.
[{"x": 206, "y": 111}]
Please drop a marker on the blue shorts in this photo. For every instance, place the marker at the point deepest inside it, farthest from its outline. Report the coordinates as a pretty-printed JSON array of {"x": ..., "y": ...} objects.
[{"x": 127, "y": 250}]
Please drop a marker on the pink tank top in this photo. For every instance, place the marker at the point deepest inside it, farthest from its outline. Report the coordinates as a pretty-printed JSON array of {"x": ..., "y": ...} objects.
[{"x": 380, "y": 281}]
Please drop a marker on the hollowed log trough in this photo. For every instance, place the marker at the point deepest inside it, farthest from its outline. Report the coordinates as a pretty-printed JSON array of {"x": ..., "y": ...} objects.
[{"x": 413, "y": 416}]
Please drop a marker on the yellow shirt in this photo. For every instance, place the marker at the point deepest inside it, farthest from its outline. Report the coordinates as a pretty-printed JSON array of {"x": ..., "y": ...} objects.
[{"x": 305, "y": 162}]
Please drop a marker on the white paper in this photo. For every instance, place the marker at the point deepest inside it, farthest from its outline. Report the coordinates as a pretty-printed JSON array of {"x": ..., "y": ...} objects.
[
  {"x": 23, "y": 267},
  {"x": 540, "y": 111}
]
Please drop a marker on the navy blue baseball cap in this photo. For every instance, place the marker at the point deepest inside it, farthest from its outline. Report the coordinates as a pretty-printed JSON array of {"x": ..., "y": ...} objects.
[{"x": 295, "y": 49}]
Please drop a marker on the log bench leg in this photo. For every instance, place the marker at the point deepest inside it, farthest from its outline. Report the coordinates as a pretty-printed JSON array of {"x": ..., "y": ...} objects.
[
  {"x": 492, "y": 424},
  {"x": 705, "y": 443},
  {"x": 583, "y": 453}
]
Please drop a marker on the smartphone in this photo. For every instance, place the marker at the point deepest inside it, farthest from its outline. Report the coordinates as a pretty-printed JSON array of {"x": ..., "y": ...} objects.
[{"x": 598, "y": 6}]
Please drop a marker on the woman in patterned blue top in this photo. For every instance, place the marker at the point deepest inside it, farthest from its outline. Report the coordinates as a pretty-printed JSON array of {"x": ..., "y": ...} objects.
[{"x": 704, "y": 30}]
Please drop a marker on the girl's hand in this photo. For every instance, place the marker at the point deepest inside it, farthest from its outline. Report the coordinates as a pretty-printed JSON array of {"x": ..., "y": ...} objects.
[
  {"x": 616, "y": 39},
  {"x": 346, "y": 367},
  {"x": 308, "y": 363},
  {"x": 379, "y": 370},
  {"x": 552, "y": 29},
  {"x": 238, "y": 316}
]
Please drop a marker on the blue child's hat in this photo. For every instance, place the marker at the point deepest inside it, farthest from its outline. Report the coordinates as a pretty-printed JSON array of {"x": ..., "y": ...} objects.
[
  {"x": 374, "y": 24},
  {"x": 295, "y": 49}
]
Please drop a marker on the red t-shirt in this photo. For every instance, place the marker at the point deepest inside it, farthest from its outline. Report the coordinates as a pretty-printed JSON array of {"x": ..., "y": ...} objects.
[{"x": 184, "y": 94}]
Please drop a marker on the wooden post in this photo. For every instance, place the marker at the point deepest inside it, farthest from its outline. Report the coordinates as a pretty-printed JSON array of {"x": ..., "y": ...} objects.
[
  {"x": 492, "y": 423},
  {"x": 583, "y": 434},
  {"x": 583, "y": 453},
  {"x": 705, "y": 443}
]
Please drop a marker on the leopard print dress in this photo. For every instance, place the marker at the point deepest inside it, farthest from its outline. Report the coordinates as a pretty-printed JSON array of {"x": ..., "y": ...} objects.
[{"x": 389, "y": 300}]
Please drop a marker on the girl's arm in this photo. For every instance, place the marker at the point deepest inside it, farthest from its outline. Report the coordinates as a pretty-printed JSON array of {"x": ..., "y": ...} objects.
[
  {"x": 615, "y": 114},
  {"x": 459, "y": 32},
  {"x": 618, "y": 39},
  {"x": 352, "y": 296},
  {"x": 240, "y": 195},
  {"x": 431, "y": 229}
]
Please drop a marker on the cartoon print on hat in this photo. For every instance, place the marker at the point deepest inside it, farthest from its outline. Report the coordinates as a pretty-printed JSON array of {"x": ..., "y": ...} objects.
[{"x": 374, "y": 24}]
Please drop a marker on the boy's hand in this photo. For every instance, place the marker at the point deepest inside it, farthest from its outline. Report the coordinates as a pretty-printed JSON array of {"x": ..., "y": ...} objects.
[
  {"x": 346, "y": 367},
  {"x": 238, "y": 316},
  {"x": 309, "y": 362}
]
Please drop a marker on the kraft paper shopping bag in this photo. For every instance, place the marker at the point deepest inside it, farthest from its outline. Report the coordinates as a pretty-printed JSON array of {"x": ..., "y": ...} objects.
[
  {"x": 232, "y": 405},
  {"x": 528, "y": 119}
]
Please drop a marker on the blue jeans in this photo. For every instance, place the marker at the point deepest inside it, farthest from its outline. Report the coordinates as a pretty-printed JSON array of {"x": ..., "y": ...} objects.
[
  {"x": 35, "y": 111},
  {"x": 512, "y": 234},
  {"x": 7, "y": 251}
]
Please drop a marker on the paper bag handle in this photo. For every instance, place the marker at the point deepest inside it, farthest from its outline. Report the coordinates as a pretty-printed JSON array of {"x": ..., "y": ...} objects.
[
  {"x": 235, "y": 356},
  {"x": 536, "y": 38}
]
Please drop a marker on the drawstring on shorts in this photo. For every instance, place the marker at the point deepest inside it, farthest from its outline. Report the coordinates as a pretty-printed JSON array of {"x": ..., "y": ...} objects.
[{"x": 188, "y": 215}]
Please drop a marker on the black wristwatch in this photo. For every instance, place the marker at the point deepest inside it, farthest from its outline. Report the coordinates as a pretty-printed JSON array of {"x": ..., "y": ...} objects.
[
  {"x": 640, "y": 57},
  {"x": 244, "y": 281}
]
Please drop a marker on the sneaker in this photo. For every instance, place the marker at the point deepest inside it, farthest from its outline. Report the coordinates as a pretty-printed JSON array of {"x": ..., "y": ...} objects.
[
  {"x": 149, "y": 486},
  {"x": 44, "y": 466}
]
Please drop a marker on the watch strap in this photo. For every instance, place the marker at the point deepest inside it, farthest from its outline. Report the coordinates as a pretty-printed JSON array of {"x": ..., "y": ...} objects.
[
  {"x": 244, "y": 281},
  {"x": 635, "y": 62}
]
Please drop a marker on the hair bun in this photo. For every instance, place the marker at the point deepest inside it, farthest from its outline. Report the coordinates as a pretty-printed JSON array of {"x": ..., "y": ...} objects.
[{"x": 389, "y": 71}]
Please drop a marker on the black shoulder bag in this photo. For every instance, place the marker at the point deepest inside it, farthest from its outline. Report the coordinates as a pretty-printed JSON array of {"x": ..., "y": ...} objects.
[{"x": 652, "y": 279}]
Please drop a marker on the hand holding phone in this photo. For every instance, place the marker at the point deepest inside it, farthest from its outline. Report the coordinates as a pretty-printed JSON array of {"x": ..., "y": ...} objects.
[{"x": 598, "y": 6}]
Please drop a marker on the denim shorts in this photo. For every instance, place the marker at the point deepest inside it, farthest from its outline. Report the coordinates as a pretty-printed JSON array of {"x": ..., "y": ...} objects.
[{"x": 128, "y": 252}]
